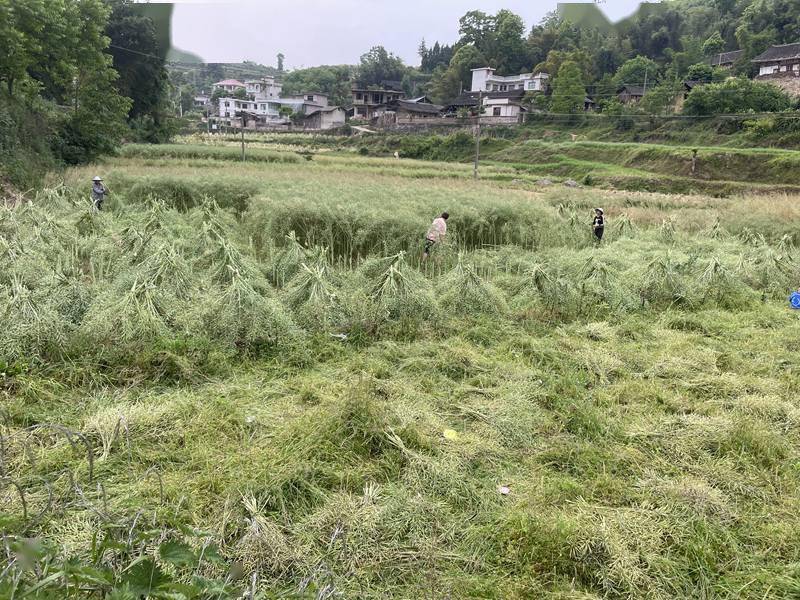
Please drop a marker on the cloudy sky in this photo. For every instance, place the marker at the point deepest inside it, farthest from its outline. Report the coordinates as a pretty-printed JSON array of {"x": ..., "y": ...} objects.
[{"x": 314, "y": 32}]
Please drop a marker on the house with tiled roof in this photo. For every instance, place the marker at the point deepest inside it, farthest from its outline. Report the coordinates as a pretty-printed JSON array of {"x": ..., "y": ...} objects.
[
  {"x": 229, "y": 85},
  {"x": 780, "y": 65},
  {"x": 726, "y": 60}
]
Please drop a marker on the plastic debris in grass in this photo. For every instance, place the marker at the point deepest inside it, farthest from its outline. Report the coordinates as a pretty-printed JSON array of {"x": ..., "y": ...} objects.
[{"x": 794, "y": 300}]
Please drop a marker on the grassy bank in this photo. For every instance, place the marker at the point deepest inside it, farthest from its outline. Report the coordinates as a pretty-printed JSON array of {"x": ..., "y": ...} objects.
[
  {"x": 532, "y": 154},
  {"x": 274, "y": 394}
]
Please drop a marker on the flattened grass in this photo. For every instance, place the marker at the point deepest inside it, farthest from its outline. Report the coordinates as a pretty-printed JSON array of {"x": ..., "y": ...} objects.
[{"x": 343, "y": 422}]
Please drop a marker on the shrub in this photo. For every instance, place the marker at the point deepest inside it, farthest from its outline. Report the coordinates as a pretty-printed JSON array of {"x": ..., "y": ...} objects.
[{"x": 736, "y": 95}]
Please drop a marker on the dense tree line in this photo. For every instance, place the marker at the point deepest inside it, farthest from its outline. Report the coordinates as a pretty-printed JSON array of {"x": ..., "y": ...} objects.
[
  {"x": 75, "y": 75},
  {"x": 662, "y": 44}
]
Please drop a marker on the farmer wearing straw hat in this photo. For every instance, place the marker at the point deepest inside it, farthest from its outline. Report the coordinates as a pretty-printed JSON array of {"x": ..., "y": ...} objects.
[
  {"x": 598, "y": 224},
  {"x": 436, "y": 233},
  {"x": 99, "y": 192}
]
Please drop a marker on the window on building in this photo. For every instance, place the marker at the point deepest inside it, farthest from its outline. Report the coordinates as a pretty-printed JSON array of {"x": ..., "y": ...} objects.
[
  {"x": 488, "y": 87},
  {"x": 496, "y": 112},
  {"x": 376, "y": 98},
  {"x": 310, "y": 98},
  {"x": 783, "y": 68},
  {"x": 227, "y": 104}
]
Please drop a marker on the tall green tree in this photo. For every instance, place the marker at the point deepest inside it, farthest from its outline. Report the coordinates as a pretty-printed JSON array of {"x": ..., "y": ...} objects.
[
  {"x": 568, "y": 89},
  {"x": 449, "y": 83},
  {"x": 138, "y": 59},
  {"x": 333, "y": 80},
  {"x": 380, "y": 65},
  {"x": 636, "y": 71},
  {"x": 714, "y": 44}
]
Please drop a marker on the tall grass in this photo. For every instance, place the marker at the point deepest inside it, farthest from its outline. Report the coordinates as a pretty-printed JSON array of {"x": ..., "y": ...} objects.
[{"x": 288, "y": 403}]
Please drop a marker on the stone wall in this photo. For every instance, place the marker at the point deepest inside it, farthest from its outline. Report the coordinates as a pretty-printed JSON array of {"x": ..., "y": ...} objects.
[{"x": 789, "y": 83}]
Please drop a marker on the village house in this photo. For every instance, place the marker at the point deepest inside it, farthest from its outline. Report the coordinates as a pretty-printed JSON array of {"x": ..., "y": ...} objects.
[
  {"x": 503, "y": 107},
  {"x": 265, "y": 107},
  {"x": 726, "y": 60},
  {"x": 371, "y": 103},
  {"x": 201, "y": 101},
  {"x": 325, "y": 117},
  {"x": 309, "y": 98},
  {"x": 780, "y": 66},
  {"x": 231, "y": 109},
  {"x": 228, "y": 85},
  {"x": 484, "y": 80},
  {"x": 630, "y": 94},
  {"x": 408, "y": 111},
  {"x": 263, "y": 89},
  {"x": 683, "y": 93}
]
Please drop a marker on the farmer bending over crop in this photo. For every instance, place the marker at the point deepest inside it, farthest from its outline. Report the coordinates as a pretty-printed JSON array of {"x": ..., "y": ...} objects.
[
  {"x": 598, "y": 223},
  {"x": 436, "y": 233},
  {"x": 99, "y": 192}
]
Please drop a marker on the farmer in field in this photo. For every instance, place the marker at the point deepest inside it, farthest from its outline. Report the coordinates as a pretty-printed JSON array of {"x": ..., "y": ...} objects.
[
  {"x": 436, "y": 233},
  {"x": 99, "y": 192},
  {"x": 598, "y": 224}
]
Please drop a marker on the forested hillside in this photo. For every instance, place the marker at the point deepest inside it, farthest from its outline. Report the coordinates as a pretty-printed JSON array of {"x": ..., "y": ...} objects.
[
  {"x": 77, "y": 76},
  {"x": 668, "y": 42}
]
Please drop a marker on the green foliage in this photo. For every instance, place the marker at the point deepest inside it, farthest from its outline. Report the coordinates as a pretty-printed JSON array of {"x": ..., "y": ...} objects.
[
  {"x": 379, "y": 65},
  {"x": 138, "y": 60},
  {"x": 568, "y": 90},
  {"x": 635, "y": 71},
  {"x": 43, "y": 64},
  {"x": 736, "y": 95},
  {"x": 447, "y": 84},
  {"x": 333, "y": 80},
  {"x": 714, "y": 44},
  {"x": 661, "y": 98}
]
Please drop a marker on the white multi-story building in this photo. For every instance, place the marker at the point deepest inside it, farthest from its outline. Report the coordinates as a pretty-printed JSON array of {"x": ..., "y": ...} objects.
[
  {"x": 263, "y": 89},
  {"x": 231, "y": 108},
  {"x": 484, "y": 80}
]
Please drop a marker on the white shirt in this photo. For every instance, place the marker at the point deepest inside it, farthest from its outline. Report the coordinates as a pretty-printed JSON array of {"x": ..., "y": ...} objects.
[{"x": 437, "y": 230}]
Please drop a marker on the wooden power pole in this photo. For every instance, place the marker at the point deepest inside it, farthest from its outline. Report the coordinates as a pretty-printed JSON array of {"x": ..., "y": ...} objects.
[{"x": 478, "y": 136}]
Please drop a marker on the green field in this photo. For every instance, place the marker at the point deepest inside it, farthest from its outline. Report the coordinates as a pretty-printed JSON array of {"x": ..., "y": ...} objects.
[{"x": 240, "y": 376}]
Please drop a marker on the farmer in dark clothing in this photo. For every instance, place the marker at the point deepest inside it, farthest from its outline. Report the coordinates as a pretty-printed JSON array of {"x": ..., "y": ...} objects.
[
  {"x": 99, "y": 192},
  {"x": 598, "y": 223}
]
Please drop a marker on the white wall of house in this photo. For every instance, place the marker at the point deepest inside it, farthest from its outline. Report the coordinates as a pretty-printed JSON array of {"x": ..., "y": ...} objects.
[
  {"x": 326, "y": 119},
  {"x": 771, "y": 69},
  {"x": 501, "y": 107},
  {"x": 484, "y": 80},
  {"x": 317, "y": 99},
  {"x": 229, "y": 107},
  {"x": 264, "y": 89}
]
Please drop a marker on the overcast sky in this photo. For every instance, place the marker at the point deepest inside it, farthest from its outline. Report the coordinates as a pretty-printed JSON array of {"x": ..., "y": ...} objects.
[{"x": 316, "y": 32}]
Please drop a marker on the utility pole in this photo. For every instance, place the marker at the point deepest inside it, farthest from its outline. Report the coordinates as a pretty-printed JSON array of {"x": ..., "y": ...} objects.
[
  {"x": 478, "y": 136},
  {"x": 242, "y": 136},
  {"x": 644, "y": 89}
]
